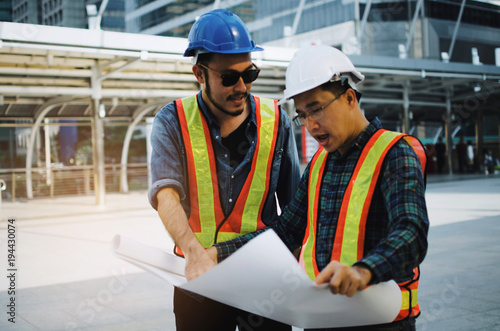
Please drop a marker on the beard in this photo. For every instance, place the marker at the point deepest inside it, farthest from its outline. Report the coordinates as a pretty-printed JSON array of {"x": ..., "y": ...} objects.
[{"x": 220, "y": 107}]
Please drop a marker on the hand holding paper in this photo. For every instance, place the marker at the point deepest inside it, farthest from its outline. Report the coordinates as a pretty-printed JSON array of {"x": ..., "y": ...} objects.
[
  {"x": 264, "y": 278},
  {"x": 344, "y": 279},
  {"x": 198, "y": 264}
]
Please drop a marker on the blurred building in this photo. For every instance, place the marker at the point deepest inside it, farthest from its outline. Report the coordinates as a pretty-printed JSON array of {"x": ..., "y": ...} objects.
[
  {"x": 450, "y": 30},
  {"x": 422, "y": 29},
  {"x": 175, "y": 17},
  {"x": 6, "y": 10},
  {"x": 113, "y": 18},
  {"x": 445, "y": 31},
  {"x": 68, "y": 13}
]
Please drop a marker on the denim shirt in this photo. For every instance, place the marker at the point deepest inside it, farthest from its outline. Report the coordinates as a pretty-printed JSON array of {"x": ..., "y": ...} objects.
[{"x": 169, "y": 167}]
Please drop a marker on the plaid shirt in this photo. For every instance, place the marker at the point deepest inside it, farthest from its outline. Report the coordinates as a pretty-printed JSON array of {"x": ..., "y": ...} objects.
[{"x": 397, "y": 224}]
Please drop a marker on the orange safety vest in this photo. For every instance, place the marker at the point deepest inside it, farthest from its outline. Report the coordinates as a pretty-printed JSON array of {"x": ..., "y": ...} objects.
[
  {"x": 207, "y": 219},
  {"x": 349, "y": 237}
]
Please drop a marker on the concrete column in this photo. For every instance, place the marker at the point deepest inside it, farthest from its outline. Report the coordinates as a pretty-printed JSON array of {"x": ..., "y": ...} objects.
[
  {"x": 448, "y": 131},
  {"x": 498, "y": 134},
  {"x": 12, "y": 139},
  {"x": 406, "y": 110},
  {"x": 479, "y": 139},
  {"x": 98, "y": 153},
  {"x": 98, "y": 136},
  {"x": 48, "y": 172}
]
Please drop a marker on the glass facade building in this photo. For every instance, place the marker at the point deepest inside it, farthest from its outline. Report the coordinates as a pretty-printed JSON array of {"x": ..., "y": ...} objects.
[
  {"x": 150, "y": 16},
  {"x": 68, "y": 13},
  {"x": 384, "y": 31},
  {"x": 5, "y": 10}
]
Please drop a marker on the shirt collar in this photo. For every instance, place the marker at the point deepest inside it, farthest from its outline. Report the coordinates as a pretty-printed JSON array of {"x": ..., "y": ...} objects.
[{"x": 211, "y": 121}]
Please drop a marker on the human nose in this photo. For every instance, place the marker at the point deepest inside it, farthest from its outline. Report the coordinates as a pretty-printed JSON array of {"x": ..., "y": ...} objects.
[{"x": 240, "y": 85}]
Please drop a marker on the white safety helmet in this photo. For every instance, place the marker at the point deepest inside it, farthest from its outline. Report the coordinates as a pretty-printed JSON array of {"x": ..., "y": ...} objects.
[{"x": 315, "y": 65}]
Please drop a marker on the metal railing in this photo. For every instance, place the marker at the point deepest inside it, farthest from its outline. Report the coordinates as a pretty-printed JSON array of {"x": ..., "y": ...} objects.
[{"x": 70, "y": 180}]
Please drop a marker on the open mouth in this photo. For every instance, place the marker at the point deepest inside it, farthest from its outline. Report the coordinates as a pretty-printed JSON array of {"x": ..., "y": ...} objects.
[{"x": 321, "y": 138}]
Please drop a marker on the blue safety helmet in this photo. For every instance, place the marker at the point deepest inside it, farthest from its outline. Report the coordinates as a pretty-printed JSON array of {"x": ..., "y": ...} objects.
[{"x": 219, "y": 31}]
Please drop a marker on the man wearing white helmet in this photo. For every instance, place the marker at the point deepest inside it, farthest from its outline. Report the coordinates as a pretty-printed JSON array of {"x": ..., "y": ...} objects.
[
  {"x": 219, "y": 161},
  {"x": 359, "y": 215}
]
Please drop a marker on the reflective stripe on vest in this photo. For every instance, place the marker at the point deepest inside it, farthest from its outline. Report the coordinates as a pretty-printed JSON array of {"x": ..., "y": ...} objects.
[
  {"x": 207, "y": 217},
  {"x": 409, "y": 293},
  {"x": 348, "y": 244},
  {"x": 308, "y": 246}
]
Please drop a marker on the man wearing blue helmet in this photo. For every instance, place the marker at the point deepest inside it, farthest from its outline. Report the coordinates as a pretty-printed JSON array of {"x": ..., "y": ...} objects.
[{"x": 222, "y": 162}]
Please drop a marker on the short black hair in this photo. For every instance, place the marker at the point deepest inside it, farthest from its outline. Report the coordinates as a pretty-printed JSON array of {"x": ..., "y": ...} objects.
[
  {"x": 339, "y": 86},
  {"x": 204, "y": 58}
]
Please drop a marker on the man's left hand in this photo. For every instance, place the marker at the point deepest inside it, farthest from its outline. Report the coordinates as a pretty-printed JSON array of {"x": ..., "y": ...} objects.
[{"x": 344, "y": 279}]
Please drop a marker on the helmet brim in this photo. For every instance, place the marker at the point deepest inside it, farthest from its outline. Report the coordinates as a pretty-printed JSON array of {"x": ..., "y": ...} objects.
[{"x": 194, "y": 51}]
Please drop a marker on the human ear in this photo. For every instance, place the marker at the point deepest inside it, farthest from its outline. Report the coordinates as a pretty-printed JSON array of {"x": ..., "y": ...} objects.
[
  {"x": 199, "y": 74},
  {"x": 351, "y": 97}
]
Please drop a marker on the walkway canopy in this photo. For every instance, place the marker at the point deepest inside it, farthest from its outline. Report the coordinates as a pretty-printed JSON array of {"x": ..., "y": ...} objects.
[{"x": 98, "y": 76}]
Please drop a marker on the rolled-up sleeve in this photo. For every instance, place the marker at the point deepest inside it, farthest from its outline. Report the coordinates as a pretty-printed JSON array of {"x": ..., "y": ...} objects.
[{"x": 167, "y": 158}]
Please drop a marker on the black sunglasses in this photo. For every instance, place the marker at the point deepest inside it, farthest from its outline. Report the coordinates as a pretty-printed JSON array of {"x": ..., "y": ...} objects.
[{"x": 232, "y": 77}]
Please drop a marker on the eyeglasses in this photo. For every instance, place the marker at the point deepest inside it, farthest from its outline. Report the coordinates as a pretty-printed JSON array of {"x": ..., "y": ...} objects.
[
  {"x": 232, "y": 76},
  {"x": 315, "y": 114}
]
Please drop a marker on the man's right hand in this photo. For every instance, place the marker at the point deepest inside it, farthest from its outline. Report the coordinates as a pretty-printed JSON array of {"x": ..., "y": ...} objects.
[
  {"x": 198, "y": 259},
  {"x": 200, "y": 262},
  {"x": 344, "y": 279}
]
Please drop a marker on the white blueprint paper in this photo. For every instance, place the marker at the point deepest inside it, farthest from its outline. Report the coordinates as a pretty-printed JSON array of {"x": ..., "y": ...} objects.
[
  {"x": 263, "y": 277},
  {"x": 167, "y": 266}
]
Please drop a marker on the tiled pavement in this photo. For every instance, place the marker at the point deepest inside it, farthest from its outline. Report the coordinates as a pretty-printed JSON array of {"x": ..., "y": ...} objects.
[{"x": 67, "y": 278}]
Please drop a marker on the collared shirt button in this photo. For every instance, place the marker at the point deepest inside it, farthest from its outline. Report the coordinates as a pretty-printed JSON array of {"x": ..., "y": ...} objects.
[
  {"x": 232, "y": 176},
  {"x": 230, "y": 200},
  {"x": 216, "y": 137},
  {"x": 225, "y": 155}
]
